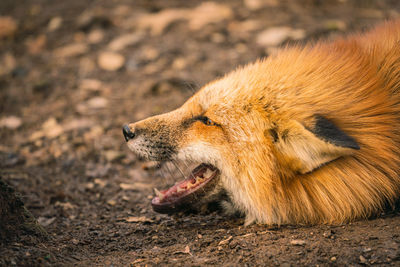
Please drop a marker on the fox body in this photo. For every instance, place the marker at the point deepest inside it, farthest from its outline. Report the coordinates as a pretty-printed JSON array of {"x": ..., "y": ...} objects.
[{"x": 309, "y": 135}]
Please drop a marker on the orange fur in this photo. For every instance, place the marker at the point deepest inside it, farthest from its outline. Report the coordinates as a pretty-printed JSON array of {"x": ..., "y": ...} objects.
[{"x": 298, "y": 178}]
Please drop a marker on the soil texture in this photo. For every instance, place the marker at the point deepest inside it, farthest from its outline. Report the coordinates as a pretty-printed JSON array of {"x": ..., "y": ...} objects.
[{"x": 73, "y": 72}]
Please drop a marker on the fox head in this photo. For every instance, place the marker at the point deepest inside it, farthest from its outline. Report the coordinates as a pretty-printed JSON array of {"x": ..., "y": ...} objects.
[{"x": 267, "y": 127}]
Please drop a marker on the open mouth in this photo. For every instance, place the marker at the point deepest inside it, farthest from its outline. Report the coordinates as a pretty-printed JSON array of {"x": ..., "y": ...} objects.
[{"x": 185, "y": 193}]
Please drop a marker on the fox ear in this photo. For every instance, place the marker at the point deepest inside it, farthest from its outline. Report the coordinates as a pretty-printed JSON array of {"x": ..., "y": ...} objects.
[{"x": 303, "y": 150}]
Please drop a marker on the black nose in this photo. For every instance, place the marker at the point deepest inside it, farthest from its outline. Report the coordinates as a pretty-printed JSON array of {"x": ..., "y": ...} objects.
[{"x": 128, "y": 134}]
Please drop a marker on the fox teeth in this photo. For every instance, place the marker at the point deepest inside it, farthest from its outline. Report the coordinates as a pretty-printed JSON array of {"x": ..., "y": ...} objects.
[
  {"x": 179, "y": 189},
  {"x": 208, "y": 173},
  {"x": 159, "y": 194},
  {"x": 189, "y": 185},
  {"x": 199, "y": 180}
]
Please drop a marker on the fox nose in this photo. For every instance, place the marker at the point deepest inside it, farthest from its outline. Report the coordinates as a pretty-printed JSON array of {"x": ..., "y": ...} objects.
[{"x": 128, "y": 134}]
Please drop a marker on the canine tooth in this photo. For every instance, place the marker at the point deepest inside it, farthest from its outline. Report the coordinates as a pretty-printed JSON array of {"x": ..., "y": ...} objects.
[
  {"x": 208, "y": 173},
  {"x": 199, "y": 180},
  {"x": 159, "y": 194},
  {"x": 180, "y": 189}
]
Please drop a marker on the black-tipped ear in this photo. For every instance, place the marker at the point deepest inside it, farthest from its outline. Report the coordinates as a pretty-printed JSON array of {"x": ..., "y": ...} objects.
[
  {"x": 326, "y": 130},
  {"x": 303, "y": 150}
]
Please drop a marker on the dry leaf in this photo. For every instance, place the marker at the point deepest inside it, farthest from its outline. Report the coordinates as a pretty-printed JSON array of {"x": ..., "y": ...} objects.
[
  {"x": 123, "y": 41},
  {"x": 89, "y": 185},
  {"x": 135, "y": 186},
  {"x": 36, "y": 45},
  {"x": 90, "y": 84},
  {"x": 134, "y": 219},
  {"x": 36, "y": 135},
  {"x": 158, "y": 22},
  {"x": 11, "y": 122},
  {"x": 207, "y": 13},
  {"x": 95, "y": 36},
  {"x": 8, "y": 26},
  {"x": 187, "y": 250},
  {"x": 65, "y": 206},
  {"x": 137, "y": 261},
  {"x": 225, "y": 241},
  {"x": 258, "y": 4},
  {"x": 198, "y": 17},
  {"x": 54, "y": 24},
  {"x": 100, "y": 182},
  {"x": 276, "y": 35},
  {"x": 71, "y": 50},
  {"x": 52, "y": 129},
  {"x": 78, "y": 124},
  {"x": 298, "y": 242},
  {"x": 7, "y": 63},
  {"x": 113, "y": 155},
  {"x": 126, "y": 198},
  {"x": 111, "y": 202},
  {"x": 97, "y": 102},
  {"x": 46, "y": 221}
]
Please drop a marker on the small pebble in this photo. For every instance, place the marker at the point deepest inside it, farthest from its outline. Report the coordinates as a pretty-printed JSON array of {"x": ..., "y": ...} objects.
[
  {"x": 298, "y": 242},
  {"x": 110, "y": 61},
  {"x": 362, "y": 260}
]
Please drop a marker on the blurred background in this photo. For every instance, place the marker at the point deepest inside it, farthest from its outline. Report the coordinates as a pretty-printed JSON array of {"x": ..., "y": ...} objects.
[{"x": 73, "y": 72}]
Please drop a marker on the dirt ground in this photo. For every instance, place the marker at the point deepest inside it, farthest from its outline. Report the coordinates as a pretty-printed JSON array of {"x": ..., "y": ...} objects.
[{"x": 73, "y": 72}]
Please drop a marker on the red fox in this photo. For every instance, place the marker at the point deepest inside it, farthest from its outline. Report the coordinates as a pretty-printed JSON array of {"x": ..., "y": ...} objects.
[{"x": 309, "y": 135}]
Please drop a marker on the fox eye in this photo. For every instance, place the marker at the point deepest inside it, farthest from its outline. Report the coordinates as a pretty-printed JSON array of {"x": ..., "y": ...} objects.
[{"x": 207, "y": 121}]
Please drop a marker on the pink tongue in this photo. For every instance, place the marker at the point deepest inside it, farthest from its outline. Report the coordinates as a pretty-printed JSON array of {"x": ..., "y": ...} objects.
[
  {"x": 173, "y": 191},
  {"x": 186, "y": 193}
]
